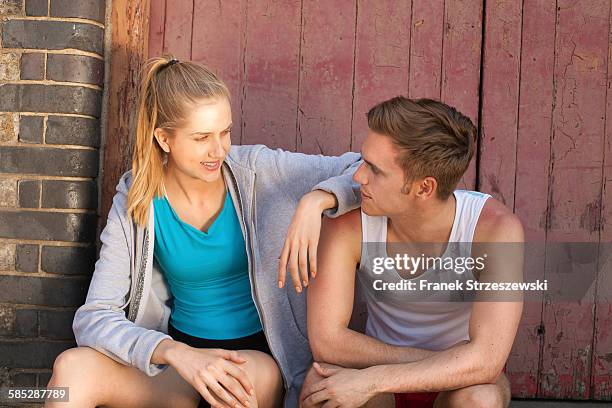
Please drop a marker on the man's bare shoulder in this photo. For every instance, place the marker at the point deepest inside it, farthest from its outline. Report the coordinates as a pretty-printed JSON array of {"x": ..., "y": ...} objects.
[
  {"x": 349, "y": 223},
  {"x": 497, "y": 223},
  {"x": 343, "y": 232}
]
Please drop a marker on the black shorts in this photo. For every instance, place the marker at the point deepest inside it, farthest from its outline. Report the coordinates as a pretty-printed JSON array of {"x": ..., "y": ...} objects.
[{"x": 255, "y": 341}]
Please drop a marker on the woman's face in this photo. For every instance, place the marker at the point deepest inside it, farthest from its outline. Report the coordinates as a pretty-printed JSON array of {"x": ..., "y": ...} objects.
[{"x": 198, "y": 148}]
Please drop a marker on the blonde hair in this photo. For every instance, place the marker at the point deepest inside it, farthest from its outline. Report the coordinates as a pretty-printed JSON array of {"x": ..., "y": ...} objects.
[{"x": 167, "y": 89}]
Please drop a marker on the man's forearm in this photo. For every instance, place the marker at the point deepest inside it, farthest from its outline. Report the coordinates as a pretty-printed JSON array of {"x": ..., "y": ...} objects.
[
  {"x": 457, "y": 367},
  {"x": 352, "y": 349}
]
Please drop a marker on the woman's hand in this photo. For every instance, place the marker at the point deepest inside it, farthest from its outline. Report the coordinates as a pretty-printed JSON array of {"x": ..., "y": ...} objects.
[
  {"x": 215, "y": 373},
  {"x": 300, "y": 249}
]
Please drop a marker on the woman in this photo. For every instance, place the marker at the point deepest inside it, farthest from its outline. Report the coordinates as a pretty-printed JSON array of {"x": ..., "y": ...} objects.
[{"x": 185, "y": 302}]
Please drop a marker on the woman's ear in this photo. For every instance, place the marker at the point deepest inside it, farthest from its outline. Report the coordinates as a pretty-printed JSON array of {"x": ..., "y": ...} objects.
[{"x": 162, "y": 139}]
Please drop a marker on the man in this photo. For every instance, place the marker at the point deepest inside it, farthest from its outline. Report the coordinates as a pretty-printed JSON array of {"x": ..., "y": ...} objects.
[{"x": 420, "y": 348}]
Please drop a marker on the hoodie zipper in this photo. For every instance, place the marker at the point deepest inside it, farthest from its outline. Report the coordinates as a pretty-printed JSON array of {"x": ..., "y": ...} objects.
[
  {"x": 139, "y": 283},
  {"x": 137, "y": 287}
]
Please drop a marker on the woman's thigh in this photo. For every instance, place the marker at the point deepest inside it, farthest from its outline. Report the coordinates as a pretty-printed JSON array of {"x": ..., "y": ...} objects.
[{"x": 97, "y": 380}]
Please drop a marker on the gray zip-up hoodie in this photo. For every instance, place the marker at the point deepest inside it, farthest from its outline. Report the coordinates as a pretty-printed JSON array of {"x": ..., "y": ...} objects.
[{"x": 125, "y": 315}]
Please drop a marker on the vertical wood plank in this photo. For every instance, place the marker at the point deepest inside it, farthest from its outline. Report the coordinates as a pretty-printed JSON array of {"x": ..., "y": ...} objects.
[
  {"x": 326, "y": 77},
  {"x": 272, "y": 69},
  {"x": 156, "y": 27},
  {"x": 532, "y": 174},
  {"x": 382, "y": 59},
  {"x": 461, "y": 65},
  {"x": 130, "y": 31},
  {"x": 601, "y": 377},
  {"x": 218, "y": 42},
  {"x": 426, "y": 49},
  {"x": 575, "y": 198},
  {"x": 178, "y": 29},
  {"x": 502, "y": 51}
]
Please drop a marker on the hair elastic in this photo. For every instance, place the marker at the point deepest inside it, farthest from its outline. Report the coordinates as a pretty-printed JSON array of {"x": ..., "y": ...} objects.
[{"x": 169, "y": 63}]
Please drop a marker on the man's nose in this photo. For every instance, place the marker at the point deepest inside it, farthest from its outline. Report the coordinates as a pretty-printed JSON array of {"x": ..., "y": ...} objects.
[{"x": 359, "y": 176}]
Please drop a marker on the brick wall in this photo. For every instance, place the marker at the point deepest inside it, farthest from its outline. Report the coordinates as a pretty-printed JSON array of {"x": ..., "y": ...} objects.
[{"x": 51, "y": 79}]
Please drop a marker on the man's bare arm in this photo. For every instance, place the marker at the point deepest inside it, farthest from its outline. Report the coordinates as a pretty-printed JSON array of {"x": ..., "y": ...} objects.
[{"x": 330, "y": 303}]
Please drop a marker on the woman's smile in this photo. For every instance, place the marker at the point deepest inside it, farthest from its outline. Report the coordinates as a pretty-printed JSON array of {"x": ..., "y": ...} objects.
[{"x": 211, "y": 165}]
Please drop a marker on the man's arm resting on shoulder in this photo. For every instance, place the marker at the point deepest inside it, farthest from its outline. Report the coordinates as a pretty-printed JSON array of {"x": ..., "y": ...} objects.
[
  {"x": 330, "y": 303},
  {"x": 493, "y": 326}
]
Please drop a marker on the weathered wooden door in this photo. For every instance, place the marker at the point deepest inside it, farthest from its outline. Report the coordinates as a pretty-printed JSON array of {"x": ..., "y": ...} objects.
[{"x": 533, "y": 74}]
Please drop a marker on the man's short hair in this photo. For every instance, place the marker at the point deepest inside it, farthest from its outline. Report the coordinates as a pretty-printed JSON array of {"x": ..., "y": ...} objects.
[{"x": 435, "y": 140}]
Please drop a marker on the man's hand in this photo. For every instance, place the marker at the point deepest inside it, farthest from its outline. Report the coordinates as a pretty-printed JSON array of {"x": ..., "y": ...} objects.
[
  {"x": 312, "y": 377},
  {"x": 340, "y": 387}
]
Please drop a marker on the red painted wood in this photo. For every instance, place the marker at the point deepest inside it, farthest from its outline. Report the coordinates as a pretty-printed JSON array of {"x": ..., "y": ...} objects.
[
  {"x": 532, "y": 175},
  {"x": 500, "y": 99},
  {"x": 381, "y": 60},
  {"x": 326, "y": 77},
  {"x": 601, "y": 379},
  {"x": 426, "y": 49},
  {"x": 578, "y": 129},
  {"x": 178, "y": 27},
  {"x": 156, "y": 27},
  {"x": 272, "y": 70},
  {"x": 461, "y": 65},
  {"x": 218, "y": 42}
]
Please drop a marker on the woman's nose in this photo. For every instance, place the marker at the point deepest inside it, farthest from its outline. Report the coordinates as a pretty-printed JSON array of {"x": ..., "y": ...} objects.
[{"x": 217, "y": 150}]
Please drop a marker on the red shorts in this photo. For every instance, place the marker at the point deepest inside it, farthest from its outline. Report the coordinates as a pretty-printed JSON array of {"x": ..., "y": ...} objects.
[{"x": 415, "y": 400}]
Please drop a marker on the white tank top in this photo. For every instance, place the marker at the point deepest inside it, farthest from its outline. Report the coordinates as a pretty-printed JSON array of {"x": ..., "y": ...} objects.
[{"x": 417, "y": 318}]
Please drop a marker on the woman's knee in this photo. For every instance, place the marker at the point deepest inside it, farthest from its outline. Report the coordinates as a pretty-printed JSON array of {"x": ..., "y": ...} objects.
[
  {"x": 265, "y": 376},
  {"x": 77, "y": 369},
  {"x": 76, "y": 364}
]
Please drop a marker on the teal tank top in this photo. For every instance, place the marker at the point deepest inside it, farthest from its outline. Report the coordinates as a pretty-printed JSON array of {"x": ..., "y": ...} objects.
[{"x": 207, "y": 273}]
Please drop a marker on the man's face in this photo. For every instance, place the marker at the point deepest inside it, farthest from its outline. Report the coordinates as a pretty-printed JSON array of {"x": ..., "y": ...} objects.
[{"x": 383, "y": 184}]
